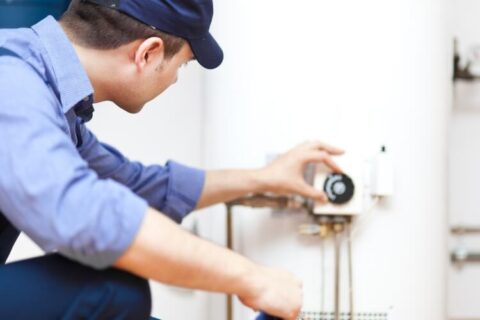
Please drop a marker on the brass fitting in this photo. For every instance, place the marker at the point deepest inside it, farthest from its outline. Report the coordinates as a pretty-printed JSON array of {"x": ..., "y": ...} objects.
[
  {"x": 338, "y": 227},
  {"x": 324, "y": 230}
]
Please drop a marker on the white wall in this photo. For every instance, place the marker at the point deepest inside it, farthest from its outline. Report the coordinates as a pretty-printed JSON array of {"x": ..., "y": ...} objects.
[
  {"x": 354, "y": 73},
  {"x": 168, "y": 128}
]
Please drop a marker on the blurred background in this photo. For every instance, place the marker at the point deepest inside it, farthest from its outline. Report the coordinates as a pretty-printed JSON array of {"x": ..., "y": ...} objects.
[{"x": 359, "y": 74}]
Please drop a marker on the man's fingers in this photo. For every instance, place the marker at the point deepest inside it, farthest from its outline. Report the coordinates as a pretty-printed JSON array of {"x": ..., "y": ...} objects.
[
  {"x": 323, "y": 156},
  {"x": 328, "y": 148},
  {"x": 318, "y": 145},
  {"x": 310, "y": 192}
]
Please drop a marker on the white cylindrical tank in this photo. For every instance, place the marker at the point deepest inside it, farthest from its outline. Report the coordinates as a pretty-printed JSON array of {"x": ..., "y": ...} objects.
[{"x": 358, "y": 74}]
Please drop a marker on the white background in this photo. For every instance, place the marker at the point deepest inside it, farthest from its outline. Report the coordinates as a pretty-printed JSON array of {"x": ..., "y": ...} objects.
[{"x": 354, "y": 73}]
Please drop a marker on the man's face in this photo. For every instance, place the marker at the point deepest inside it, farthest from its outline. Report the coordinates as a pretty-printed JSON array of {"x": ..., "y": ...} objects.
[{"x": 151, "y": 79}]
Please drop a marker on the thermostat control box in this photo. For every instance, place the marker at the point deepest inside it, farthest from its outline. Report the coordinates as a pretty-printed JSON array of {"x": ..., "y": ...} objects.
[{"x": 345, "y": 191}]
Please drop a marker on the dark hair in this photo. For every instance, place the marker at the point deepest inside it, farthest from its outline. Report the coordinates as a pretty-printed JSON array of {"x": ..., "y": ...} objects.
[{"x": 98, "y": 27}]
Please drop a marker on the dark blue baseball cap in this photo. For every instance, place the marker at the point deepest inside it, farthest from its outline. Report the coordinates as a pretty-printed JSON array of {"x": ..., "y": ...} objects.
[{"x": 187, "y": 19}]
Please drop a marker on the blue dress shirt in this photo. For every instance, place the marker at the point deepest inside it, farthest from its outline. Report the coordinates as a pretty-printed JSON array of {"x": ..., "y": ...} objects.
[{"x": 67, "y": 191}]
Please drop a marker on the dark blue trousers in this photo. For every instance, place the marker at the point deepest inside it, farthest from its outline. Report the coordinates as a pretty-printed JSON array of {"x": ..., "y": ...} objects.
[{"x": 53, "y": 287}]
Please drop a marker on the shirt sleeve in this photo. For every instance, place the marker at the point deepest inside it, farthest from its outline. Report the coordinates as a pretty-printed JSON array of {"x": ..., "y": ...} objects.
[
  {"x": 173, "y": 189},
  {"x": 46, "y": 189}
]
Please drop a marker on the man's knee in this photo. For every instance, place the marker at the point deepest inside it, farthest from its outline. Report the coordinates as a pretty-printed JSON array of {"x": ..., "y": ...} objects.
[{"x": 112, "y": 294}]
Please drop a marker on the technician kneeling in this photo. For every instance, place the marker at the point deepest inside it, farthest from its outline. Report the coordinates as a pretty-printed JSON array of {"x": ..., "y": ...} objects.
[{"x": 106, "y": 221}]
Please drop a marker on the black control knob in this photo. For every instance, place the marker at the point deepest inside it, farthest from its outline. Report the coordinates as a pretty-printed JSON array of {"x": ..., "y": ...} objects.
[{"x": 339, "y": 188}]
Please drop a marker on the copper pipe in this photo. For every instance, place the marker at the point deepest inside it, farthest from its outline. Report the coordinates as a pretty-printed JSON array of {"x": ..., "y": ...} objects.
[
  {"x": 337, "y": 277},
  {"x": 229, "y": 246},
  {"x": 350, "y": 271},
  {"x": 271, "y": 201},
  {"x": 461, "y": 230},
  {"x": 338, "y": 228}
]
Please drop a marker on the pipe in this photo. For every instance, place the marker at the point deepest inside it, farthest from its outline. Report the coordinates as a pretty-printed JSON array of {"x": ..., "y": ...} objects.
[
  {"x": 337, "y": 277},
  {"x": 463, "y": 230},
  {"x": 229, "y": 232},
  {"x": 338, "y": 228},
  {"x": 460, "y": 256},
  {"x": 272, "y": 201},
  {"x": 350, "y": 272}
]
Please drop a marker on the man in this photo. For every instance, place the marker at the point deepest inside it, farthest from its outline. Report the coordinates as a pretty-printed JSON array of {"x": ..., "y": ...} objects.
[{"x": 107, "y": 221}]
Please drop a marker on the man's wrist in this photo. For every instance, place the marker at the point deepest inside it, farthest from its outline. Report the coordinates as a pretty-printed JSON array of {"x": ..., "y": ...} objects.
[
  {"x": 247, "y": 283},
  {"x": 258, "y": 181}
]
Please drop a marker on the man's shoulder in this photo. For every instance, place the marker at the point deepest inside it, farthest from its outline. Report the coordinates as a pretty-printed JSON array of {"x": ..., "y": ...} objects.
[
  {"x": 21, "y": 54},
  {"x": 23, "y": 74}
]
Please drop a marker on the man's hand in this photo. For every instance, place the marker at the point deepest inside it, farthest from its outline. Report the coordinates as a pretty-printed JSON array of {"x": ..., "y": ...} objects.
[
  {"x": 275, "y": 292},
  {"x": 164, "y": 252},
  {"x": 285, "y": 174}
]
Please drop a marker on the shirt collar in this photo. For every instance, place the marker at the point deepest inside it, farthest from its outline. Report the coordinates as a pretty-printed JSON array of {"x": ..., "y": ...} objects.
[{"x": 72, "y": 81}]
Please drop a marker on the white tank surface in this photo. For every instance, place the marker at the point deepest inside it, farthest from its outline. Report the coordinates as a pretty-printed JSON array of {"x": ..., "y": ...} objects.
[{"x": 357, "y": 74}]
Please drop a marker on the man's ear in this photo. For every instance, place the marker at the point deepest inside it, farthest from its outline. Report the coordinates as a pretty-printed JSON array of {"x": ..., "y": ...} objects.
[{"x": 150, "y": 50}]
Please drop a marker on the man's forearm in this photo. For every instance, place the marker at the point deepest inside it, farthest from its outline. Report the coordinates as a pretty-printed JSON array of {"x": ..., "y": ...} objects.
[
  {"x": 164, "y": 252},
  {"x": 226, "y": 185},
  {"x": 283, "y": 176}
]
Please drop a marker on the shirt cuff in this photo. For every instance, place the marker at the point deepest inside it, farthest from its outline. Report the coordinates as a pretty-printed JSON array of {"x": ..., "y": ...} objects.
[{"x": 185, "y": 187}]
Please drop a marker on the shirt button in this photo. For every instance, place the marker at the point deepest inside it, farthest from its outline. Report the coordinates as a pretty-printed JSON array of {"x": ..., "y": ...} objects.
[{"x": 86, "y": 99}]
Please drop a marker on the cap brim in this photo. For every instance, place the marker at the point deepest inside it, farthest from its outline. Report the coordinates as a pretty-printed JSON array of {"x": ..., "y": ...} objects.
[{"x": 207, "y": 52}]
